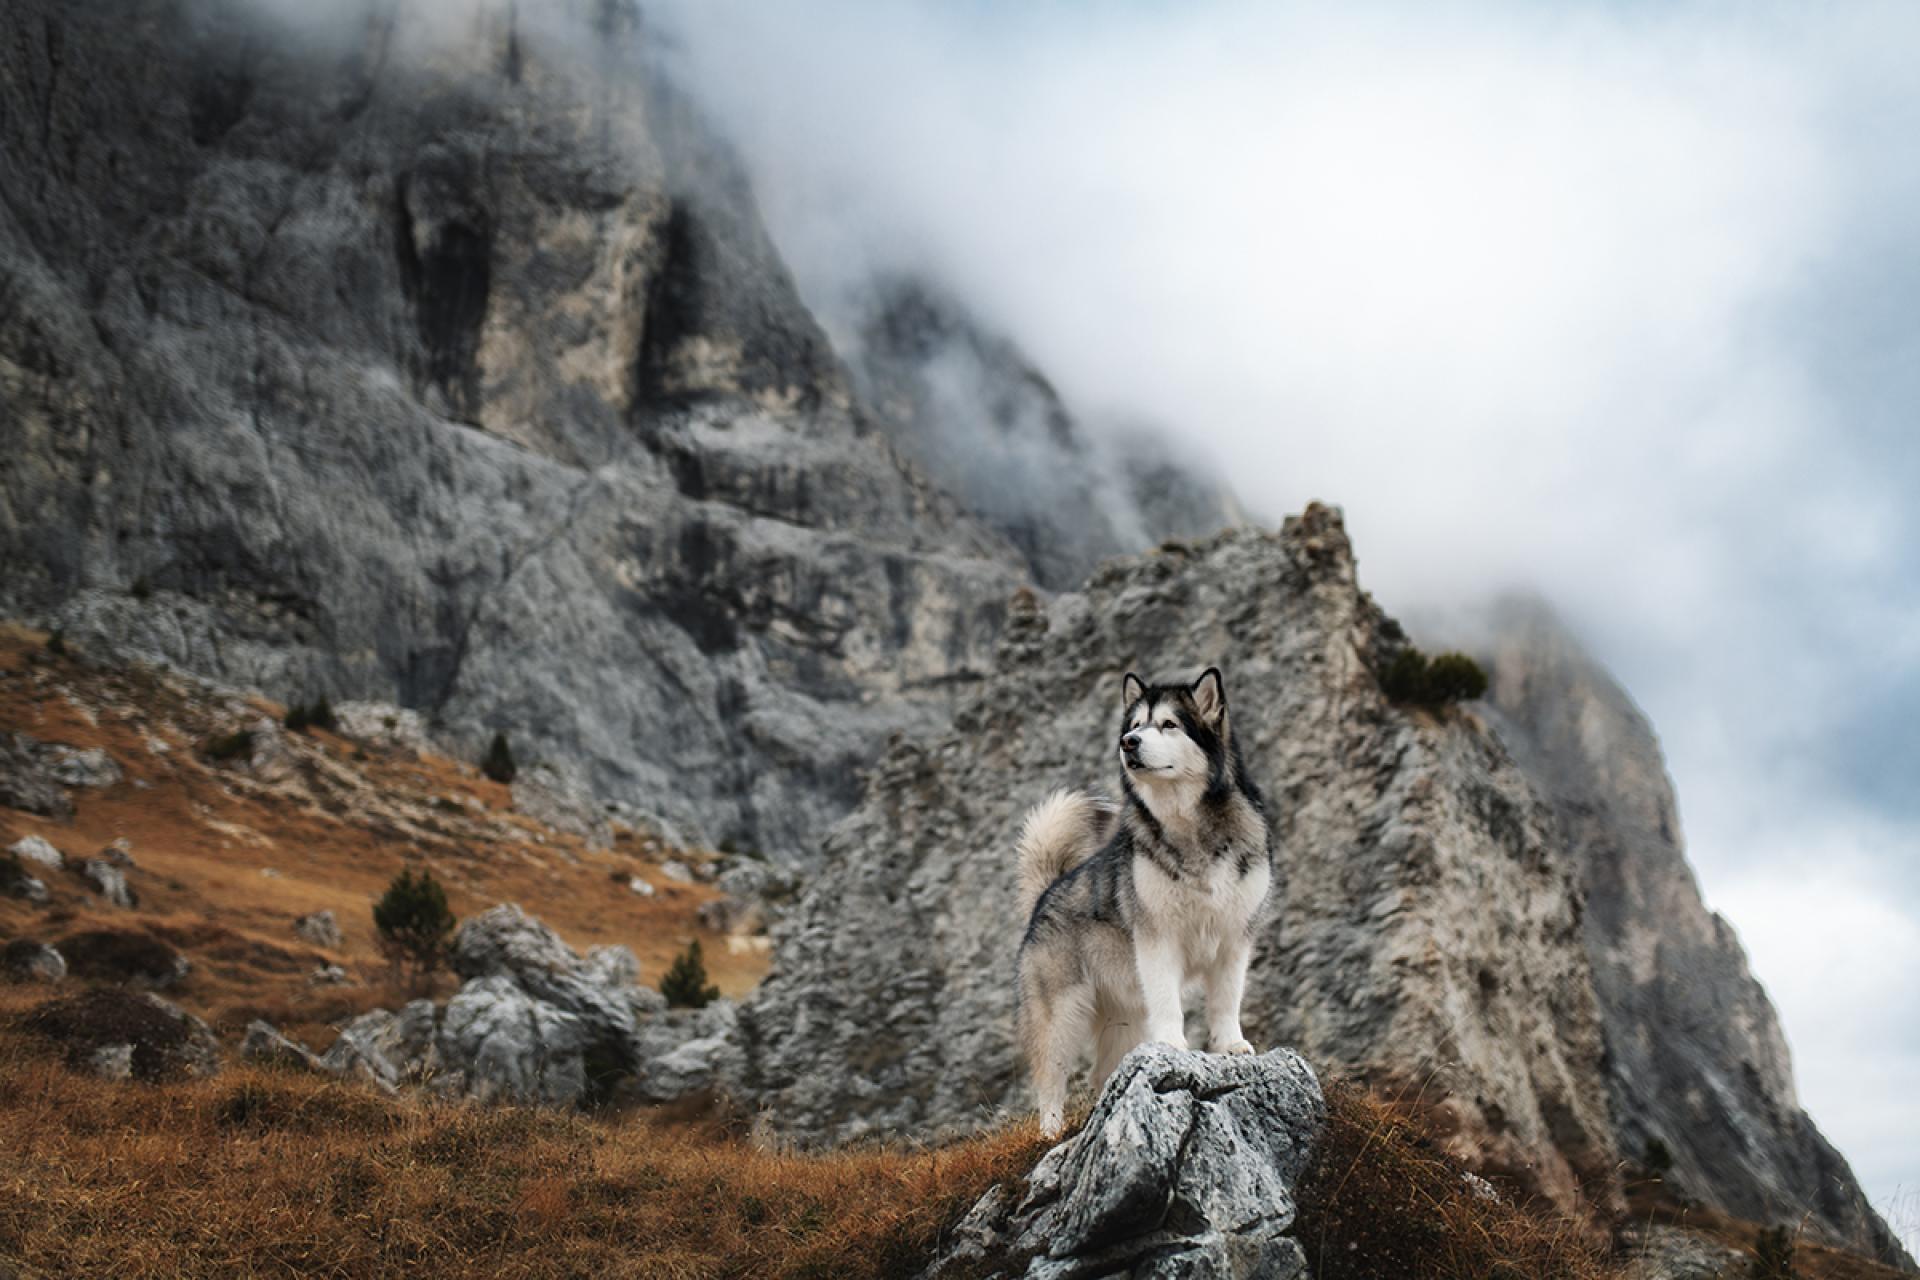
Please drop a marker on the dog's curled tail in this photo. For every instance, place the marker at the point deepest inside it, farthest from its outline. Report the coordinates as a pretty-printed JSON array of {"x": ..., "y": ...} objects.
[{"x": 1059, "y": 834}]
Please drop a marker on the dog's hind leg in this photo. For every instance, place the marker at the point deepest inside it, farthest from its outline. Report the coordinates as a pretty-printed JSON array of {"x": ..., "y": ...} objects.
[{"x": 1056, "y": 1029}]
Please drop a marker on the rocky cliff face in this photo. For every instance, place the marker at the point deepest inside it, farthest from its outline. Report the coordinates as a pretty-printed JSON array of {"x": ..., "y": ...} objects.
[
  {"x": 1695, "y": 1061},
  {"x": 460, "y": 377},
  {"x": 1427, "y": 928}
]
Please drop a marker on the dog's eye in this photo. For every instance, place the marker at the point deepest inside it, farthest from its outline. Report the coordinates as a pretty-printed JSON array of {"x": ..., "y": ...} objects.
[{"x": 1169, "y": 724}]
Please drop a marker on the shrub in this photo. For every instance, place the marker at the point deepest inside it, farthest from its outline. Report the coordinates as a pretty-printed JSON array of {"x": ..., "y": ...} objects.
[
  {"x": 312, "y": 715},
  {"x": 499, "y": 763},
  {"x": 1659, "y": 1160},
  {"x": 685, "y": 984},
  {"x": 1411, "y": 677},
  {"x": 413, "y": 922},
  {"x": 229, "y": 746},
  {"x": 1773, "y": 1255}
]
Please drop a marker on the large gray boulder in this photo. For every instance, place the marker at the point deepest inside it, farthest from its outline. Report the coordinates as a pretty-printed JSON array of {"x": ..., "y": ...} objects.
[{"x": 1186, "y": 1167}]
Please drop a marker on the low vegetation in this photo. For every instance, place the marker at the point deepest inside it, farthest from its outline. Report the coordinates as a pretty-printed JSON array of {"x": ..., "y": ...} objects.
[
  {"x": 1381, "y": 1199},
  {"x": 685, "y": 983},
  {"x": 312, "y": 715},
  {"x": 414, "y": 923},
  {"x": 1411, "y": 677},
  {"x": 265, "y": 1172},
  {"x": 499, "y": 764}
]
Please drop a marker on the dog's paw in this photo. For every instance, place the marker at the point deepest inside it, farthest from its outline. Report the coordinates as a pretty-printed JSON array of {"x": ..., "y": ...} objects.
[{"x": 1236, "y": 1047}]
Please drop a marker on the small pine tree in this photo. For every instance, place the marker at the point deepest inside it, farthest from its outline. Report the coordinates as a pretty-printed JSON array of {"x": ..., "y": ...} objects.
[
  {"x": 296, "y": 719},
  {"x": 685, "y": 984},
  {"x": 413, "y": 922},
  {"x": 499, "y": 763},
  {"x": 1405, "y": 678},
  {"x": 1773, "y": 1255}
]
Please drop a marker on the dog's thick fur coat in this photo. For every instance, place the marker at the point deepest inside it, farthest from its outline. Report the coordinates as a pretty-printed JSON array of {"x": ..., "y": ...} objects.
[{"x": 1126, "y": 904}]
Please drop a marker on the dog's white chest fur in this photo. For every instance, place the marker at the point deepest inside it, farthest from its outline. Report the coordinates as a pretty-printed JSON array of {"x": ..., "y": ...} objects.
[{"x": 1204, "y": 914}]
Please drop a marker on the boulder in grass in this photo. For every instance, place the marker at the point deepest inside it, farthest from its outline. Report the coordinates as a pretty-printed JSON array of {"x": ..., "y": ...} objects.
[
  {"x": 319, "y": 928},
  {"x": 36, "y": 850},
  {"x": 109, "y": 881},
  {"x": 125, "y": 1033},
  {"x": 25, "y": 960},
  {"x": 1187, "y": 1167}
]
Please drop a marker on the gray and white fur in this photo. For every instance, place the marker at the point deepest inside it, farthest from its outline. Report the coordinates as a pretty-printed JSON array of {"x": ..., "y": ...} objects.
[{"x": 1127, "y": 904}]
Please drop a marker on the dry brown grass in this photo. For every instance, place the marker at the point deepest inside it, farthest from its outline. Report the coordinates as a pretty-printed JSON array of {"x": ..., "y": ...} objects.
[
  {"x": 269, "y": 1173},
  {"x": 1382, "y": 1201}
]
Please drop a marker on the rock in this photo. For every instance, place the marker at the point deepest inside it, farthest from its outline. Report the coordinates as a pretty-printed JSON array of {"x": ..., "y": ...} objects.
[
  {"x": 382, "y": 724},
  {"x": 26, "y": 782},
  {"x": 265, "y": 1045},
  {"x": 1656, "y": 1252},
  {"x": 319, "y": 928},
  {"x": 640, "y": 886},
  {"x": 685, "y": 1051},
  {"x": 91, "y": 767},
  {"x": 535, "y": 1022},
  {"x": 24, "y": 960},
  {"x": 107, "y": 880},
  {"x": 328, "y": 975},
  {"x": 731, "y": 915},
  {"x": 561, "y": 800},
  {"x": 1424, "y": 912},
  {"x": 1186, "y": 1167},
  {"x": 677, "y": 871},
  {"x": 112, "y": 1062},
  {"x": 387, "y": 1048},
  {"x": 1684, "y": 1017},
  {"x": 34, "y": 849},
  {"x": 15, "y": 882},
  {"x": 124, "y": 1033},
  {"x": 119, "y": 853}
]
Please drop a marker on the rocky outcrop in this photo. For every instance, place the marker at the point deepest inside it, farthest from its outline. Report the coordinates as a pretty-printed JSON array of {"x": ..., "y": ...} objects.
[
  {"x": 1186, "y": 1167},
  {"x": 27, "y": 781},
  {"x": 24, "y": 960},
  {"x": 508, "y": 328},
  {"x": 319, "y": 928},
  {"x": 1426, "y": 929},
  {"x": 120, "y": 1033},
  {"x": 1696, "y": 1062},
  {"x": 17, "y": 882},
  {"x": 972, "y": 410}
]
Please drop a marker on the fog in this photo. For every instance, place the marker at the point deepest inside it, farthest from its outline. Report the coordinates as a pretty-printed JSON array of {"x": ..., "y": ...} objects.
[{"x": 1611, "y": 302}]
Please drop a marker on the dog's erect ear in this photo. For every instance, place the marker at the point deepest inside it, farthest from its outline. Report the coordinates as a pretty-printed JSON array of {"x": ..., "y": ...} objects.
[
  {"x": 1210, "y": 695},
  {"x": 1131, "y": 690}
]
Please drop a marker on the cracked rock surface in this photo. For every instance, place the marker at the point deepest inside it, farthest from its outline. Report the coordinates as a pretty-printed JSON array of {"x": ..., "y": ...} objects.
[{"x": 1186, "y": 1167}]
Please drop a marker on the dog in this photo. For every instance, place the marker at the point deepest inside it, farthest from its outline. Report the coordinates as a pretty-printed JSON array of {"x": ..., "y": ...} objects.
[{"x": 1126, "y": 903}]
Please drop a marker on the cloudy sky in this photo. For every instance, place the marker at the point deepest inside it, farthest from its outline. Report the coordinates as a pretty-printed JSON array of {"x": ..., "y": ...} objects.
[{"x": 1617, "y": 302}]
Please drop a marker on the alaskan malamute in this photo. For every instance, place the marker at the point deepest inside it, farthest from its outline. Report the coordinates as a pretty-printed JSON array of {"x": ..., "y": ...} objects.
[{"x": 1127, "y": 903}]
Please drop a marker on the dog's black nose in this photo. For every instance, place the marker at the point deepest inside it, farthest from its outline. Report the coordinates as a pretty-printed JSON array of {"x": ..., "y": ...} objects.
[{"x": 1131, "y": 741}]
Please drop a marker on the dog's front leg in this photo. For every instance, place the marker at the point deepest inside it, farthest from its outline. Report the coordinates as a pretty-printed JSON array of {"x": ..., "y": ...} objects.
[
  {"x": 1226, "y": 981},
  {"x": 1158, "y": 961}
]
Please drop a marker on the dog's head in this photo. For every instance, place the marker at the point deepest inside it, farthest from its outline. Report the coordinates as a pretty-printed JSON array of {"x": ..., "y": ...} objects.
[{"x": 1174, "y": 735}]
